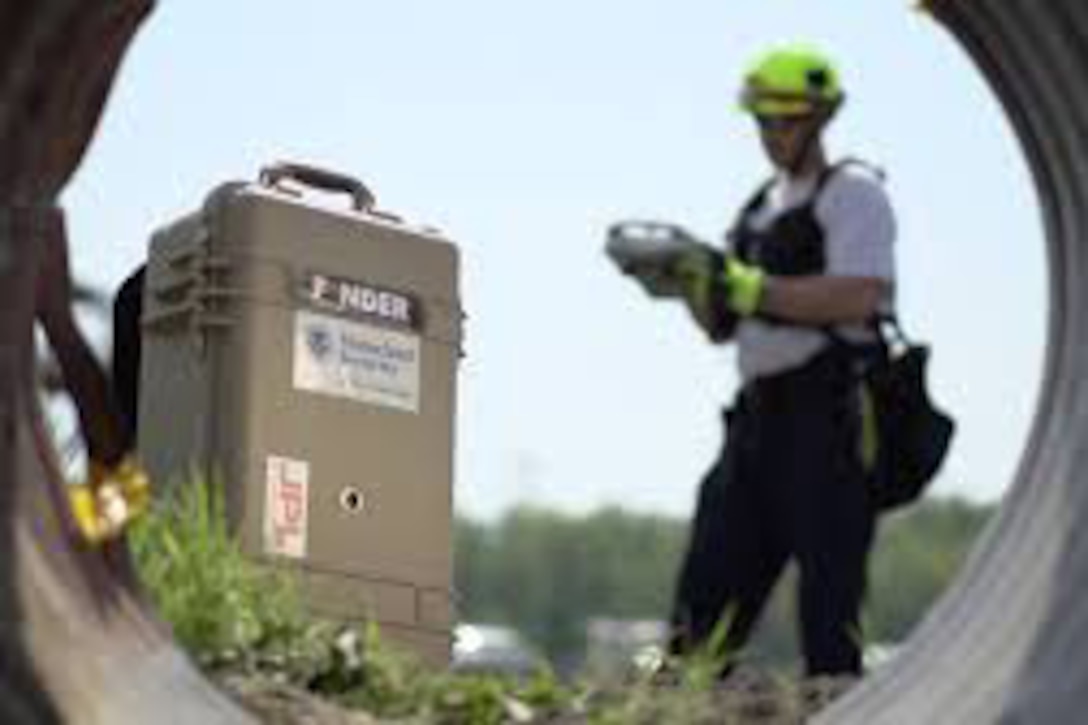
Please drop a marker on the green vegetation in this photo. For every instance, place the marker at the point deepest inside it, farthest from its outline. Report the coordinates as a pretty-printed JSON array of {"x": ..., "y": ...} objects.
[
  {"x": 238, "y": 619},
  {"x": 216, "y": 600},
  {"x": 917, "y": 556},
  {"x": 546, "y": 574},
  {"x": 542, "y": 572}
]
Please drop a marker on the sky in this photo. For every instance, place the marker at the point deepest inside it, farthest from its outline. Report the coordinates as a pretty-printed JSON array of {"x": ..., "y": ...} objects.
[{"x": 522, "y": 130}]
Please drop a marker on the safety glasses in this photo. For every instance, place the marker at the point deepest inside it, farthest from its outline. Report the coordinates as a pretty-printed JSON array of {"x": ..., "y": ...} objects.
[{"x": 779, "y": 124}]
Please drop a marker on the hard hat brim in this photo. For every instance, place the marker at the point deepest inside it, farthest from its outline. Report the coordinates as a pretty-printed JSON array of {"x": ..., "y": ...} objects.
[{"x": 769, "y": 103}]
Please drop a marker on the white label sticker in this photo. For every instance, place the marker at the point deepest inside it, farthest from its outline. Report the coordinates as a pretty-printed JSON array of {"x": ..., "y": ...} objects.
[
  {"x": 355, "y": 360},
  {"x": 287, "y": 488}
]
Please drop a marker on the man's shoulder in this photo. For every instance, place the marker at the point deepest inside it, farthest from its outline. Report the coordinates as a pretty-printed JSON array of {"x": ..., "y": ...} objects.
[
  {"x": 853, "y": 183},
  {"x": 854, "y": 173}
]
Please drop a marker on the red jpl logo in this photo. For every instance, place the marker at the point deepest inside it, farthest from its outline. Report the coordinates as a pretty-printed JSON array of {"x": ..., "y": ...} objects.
[
  {"x": 286, "y": 507},
  {"x": 292, "y": 505},
  {"x": 289, "y": 522}
]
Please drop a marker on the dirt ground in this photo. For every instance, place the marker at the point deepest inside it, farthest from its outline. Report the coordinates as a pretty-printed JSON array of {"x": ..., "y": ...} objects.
[{"x": 749, "y": 700}]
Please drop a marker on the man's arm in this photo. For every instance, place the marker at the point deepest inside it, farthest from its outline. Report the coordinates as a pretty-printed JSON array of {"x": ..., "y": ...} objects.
[
  {"x": 820, "y": 300},
  {"x": 860, "y": 233},
  {"x": 860, "y": 230}
]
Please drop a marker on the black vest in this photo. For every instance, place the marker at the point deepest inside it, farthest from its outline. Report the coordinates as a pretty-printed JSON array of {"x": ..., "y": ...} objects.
[{"x": 794, "y": 244}]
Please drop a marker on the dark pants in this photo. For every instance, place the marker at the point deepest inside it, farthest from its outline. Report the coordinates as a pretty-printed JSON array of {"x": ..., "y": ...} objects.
[{"x": 789, "y": 484}]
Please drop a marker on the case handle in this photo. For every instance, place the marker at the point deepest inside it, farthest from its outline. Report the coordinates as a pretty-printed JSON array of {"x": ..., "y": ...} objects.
[{"x": 362, "y": 198}]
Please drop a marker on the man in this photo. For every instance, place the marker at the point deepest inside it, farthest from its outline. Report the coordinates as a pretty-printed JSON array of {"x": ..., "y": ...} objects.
[{"x": 807, "y": 271}]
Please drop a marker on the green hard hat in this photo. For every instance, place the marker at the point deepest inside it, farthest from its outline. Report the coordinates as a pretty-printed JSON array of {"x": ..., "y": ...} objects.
[{"x": 791, "y": 81}]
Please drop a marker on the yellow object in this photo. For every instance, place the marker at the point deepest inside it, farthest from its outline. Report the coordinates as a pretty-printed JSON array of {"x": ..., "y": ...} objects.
[
  {"x": 696, "y": 270},
  {"x": 110, "y": 499},
  {"x": 870, "y": 442},
  {"x": 792, "y": 80},
  {"x": 745, "y": 283}
]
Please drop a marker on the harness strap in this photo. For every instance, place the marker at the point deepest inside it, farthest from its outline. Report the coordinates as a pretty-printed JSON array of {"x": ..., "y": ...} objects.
[{"x": 759, "y": 197}]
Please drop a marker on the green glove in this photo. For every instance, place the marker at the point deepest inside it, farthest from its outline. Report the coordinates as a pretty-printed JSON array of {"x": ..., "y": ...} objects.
[
  {"x": 711, "y": 279},
  {"x": 698, "y": 271},
  {"x": 744, "y": 286}
]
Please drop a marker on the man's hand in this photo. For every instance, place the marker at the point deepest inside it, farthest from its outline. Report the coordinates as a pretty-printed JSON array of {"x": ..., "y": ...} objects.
[
  {"x": 698, "y": 272},
  {"x": 745, "y": 285},
  {"x": 703, "y": 277},
  {"x": 715, "y": 283},
  {"x": 649, "y": 252}
]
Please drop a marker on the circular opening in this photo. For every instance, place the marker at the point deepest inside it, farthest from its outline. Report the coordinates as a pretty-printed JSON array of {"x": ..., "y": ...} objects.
[
  {"x": 932, "y": 112},
  {"x": 352, "y": 500}
]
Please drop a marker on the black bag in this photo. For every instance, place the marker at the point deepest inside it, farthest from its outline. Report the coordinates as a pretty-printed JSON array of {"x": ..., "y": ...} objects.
[{"x": 913, "y": 434}]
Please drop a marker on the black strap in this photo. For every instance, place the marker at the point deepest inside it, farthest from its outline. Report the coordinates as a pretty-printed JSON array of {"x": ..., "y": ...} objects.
[
  {"x": 878, "y": 321},
  {"x": 754, "y": 202},
  {"x": 759, "y": 197}
]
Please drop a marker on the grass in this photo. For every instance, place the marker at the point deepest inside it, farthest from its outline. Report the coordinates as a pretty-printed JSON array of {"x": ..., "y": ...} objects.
[
  {"x": 216, "y": 600},
  {"x": 238, "y": 619}
]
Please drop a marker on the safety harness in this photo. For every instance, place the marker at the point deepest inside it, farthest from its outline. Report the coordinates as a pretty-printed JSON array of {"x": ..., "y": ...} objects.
[{"x": 904, "y": 437}]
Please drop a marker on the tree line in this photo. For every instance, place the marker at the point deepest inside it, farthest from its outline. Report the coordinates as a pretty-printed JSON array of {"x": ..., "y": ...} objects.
[{"x": 547, "y": 573}]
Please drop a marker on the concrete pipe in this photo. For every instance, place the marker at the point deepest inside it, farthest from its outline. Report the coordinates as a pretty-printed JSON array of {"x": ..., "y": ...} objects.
[{"x": 1009, "y": 642}]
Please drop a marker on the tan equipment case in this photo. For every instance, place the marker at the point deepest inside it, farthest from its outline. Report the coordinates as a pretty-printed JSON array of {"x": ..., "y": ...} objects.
[{"x": 306, "y": 357}]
